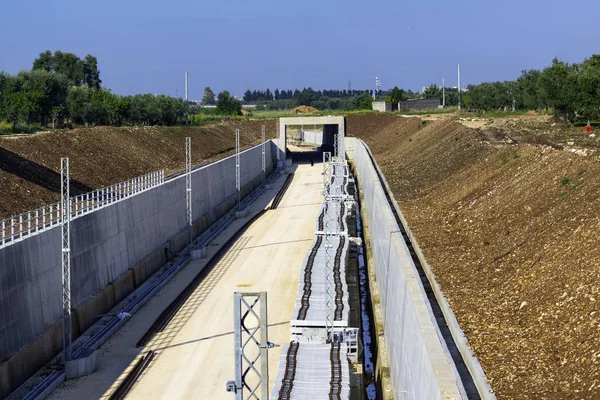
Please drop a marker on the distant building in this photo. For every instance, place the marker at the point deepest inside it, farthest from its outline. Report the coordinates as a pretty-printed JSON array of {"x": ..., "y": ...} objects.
[
  {"x": 384, "y": 106},
  {"x": 419, "y": 104}
]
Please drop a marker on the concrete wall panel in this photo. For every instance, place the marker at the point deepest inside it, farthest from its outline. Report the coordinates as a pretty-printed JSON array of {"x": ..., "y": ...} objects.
[
  {"x": 119, "y": 245},
  {"x": 419, "y": 364}
]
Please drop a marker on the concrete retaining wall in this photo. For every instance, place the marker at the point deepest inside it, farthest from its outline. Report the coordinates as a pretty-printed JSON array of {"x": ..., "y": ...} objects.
[
  {"x": 419, "y": 364},
  {"x": 313, "y": 137},
  {"x": 114, "y": 250}
]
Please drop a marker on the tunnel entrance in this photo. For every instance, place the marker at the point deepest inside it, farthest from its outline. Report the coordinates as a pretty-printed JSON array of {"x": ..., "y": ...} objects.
[
  {"x": 306, "y": 138},
  {"x": 306, "y": 143}
]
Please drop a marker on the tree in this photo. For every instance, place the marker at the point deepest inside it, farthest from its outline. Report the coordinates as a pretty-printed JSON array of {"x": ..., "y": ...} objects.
[
  {"x": 77, "y": 71},
  {"x": 588, "y": 89},
  {"x": 555, "y": 87},
  {"x": 209, "y": 97},
  {"x": 228, "y": 105},
  {"x": 396, "y": 95},
  {"x": 51, "y": 91},
  {"x": 306, "y": 97},
  {"x": 78, "y": 104},
  {"x": 432, "y": 91},
  {"x": 363, "y": 102},
  {"x": 91, "y": 74}
]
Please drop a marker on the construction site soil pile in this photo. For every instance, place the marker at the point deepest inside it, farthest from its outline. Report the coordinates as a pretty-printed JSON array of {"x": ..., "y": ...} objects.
[
  {"x": 511, "y": 229},
  {"x": 102, "y": 156}
]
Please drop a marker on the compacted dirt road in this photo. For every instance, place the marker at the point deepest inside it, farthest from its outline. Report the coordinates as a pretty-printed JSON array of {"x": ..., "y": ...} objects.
[{"x": 512, "y": 231}]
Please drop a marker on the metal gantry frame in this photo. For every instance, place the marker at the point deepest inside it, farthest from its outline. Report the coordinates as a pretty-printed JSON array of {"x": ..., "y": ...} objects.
[
  {"x": 237, "y": 166},
  {"x": 264, "y": 163},
  {"x": 188, "y": 185},
  {"x": 65, "y": 209},
  {"x": 251, "y": 344}
]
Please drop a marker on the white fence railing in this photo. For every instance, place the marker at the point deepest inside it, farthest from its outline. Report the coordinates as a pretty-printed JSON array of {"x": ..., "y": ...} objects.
[{"x": 32, "y": 222}]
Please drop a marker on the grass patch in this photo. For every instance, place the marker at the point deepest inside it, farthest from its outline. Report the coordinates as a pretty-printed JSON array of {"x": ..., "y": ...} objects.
[
  {"x": 515, "y": 156},
  {"x": 581, "y": 172},
  {"x": 8, "y": 129},
  {"x": 565, "y": 181},
  {"x": 504, "y": 160}
]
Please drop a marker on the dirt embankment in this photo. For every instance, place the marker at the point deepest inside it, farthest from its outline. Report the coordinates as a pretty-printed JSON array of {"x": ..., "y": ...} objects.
[
  {"x": 101, "y": 156},
  {"x": 512, "y": 232}
]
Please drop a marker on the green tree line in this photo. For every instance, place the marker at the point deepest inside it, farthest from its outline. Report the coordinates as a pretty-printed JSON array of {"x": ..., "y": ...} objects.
[
  {"x": 319, "y": 99},
  {"x": 62, "y": 90},
  {"x": 570, "y": 91}
]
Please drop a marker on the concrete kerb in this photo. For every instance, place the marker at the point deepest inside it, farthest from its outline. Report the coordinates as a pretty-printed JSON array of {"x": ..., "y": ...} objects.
[{"x": 483, "y": 386}]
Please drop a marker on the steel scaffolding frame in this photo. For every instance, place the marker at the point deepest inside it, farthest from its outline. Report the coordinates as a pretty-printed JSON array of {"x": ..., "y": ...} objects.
[
  {"x": 65, "y": 209},
  {"x": 251, "y": 344}
]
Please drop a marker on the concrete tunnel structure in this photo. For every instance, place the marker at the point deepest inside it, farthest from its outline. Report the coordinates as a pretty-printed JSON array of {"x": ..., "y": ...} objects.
[
  {"x": 334, "y": 130},
  {"x": 117, "y": 248}
]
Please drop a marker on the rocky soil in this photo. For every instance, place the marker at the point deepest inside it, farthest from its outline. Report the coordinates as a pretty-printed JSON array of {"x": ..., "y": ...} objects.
[
  {"x": 102, "y": 156},
  {"x": 509, "y": 219}
]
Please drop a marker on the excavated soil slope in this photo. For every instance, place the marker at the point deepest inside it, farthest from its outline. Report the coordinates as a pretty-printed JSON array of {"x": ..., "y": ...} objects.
[
  {"x": 101, "y": 156},
  {"x": 512, "y": 233}
]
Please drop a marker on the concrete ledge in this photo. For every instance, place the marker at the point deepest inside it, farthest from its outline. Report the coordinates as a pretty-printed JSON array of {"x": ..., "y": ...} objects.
[
  {"x": 82, "y": 366},
  {"x": 198, "y": 254},
  {"x": 241, "y": 213}
]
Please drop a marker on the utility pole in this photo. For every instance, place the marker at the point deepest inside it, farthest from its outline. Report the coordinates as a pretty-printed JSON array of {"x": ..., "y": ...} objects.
[
  {"x": 459, "y": 86},
  {"x": 65, "y": 210},
  {"x": 443, "y": 92},
  {"x": 186, "y": 98},
  {"x": 264, "y": 164},
  {"x": 188, "y": 185},
  {"x": 237, "y": 167}
]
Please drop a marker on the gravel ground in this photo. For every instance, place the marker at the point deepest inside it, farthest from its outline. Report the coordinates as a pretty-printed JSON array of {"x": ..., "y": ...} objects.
[{"x": 511, "y": 229}]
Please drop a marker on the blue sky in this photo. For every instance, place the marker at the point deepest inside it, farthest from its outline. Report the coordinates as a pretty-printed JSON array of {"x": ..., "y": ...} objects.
[{"x": 146, "y": 46}]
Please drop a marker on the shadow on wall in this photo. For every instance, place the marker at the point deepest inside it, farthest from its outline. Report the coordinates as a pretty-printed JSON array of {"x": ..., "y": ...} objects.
[{"x": 36, "y": 173}]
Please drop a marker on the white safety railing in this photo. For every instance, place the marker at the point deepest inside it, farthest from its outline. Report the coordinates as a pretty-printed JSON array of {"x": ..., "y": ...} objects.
[{"x": 21, "y": 226}]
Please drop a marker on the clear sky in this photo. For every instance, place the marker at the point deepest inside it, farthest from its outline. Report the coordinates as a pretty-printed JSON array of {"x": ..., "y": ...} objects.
[{"x": 146, "y": 46}]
